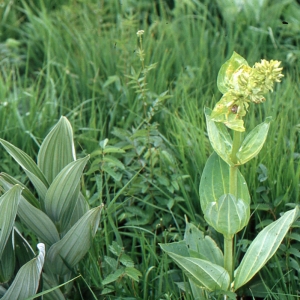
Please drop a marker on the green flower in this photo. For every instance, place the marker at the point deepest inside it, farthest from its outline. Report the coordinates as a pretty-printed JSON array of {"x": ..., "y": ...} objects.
[{"x": 241, "y": 85}]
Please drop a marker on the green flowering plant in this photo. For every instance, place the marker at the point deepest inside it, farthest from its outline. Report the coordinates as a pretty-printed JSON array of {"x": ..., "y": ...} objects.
[{"x": 224, "y": 195}]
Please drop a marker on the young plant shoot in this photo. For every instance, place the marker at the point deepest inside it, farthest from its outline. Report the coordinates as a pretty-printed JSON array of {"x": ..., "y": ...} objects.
[{"x": 224, "y": 195}]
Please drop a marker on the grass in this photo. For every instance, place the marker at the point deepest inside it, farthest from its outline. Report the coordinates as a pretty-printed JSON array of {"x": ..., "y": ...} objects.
[{"x": 73, "y": 58}]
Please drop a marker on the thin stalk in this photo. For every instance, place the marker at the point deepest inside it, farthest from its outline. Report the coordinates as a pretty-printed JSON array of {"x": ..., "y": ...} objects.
[{"x": 228, "y": 242}]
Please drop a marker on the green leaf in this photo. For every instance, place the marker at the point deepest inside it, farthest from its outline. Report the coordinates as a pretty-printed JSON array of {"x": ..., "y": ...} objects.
[
  {"x": 204, "y": 245},
  {"x": 7, "y": 262},
  {"x": 51, "y": 288},
  {"x": 67, "y": 252},
  {"x": 133, "y": 273},
  {"x": 214, "y": 182},
  {"x": 79, "y": 209},
  {"x": 202, "y": 272},
  {"x": 38, "y": 222},
  {"x": 253, "y": 142},
  {"x": 113, "y": 277},
  {"x": 64, "y": 191},
  {"x": 228, "y": 215},
  {"x": 227, "y": 70},
  {"x": 34, "y": 218},
  {"x": 8, "y": 209},
  {"x": 57, "y": 149},
  {"x": 263, "y": 248},
  {"x": 27, "y": 279},
  {"x": 219, "y": 137},
  {"x": 113, "y": 162},
  {"x": 179, "y": 248},
  {"x": 26, "y": 162},
  {"x": 8, "y": 181}
]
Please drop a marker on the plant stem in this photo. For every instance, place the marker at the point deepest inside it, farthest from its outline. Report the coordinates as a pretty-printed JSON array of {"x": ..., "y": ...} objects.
[
  {"x": 228, "y": 256},
  {"x": 228, "y": 242}
]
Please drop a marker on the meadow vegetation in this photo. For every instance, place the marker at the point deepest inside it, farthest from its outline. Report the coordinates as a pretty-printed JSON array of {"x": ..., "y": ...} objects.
[{"x": 136, "y": 106}]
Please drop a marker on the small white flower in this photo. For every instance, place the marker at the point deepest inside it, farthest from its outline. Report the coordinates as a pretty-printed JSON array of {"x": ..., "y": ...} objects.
[{"x": 140, "y": 33}]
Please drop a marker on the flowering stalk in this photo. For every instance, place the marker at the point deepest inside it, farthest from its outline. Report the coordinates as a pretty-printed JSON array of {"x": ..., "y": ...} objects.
[{"x": 224, "y": 195}]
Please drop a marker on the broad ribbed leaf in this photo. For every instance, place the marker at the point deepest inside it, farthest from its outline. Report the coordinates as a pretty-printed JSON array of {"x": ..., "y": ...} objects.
[
  {"x": 38, "y": 222},
  {"x": 49, "y": 283},
  {"x": 8, "y": 209},
  {"x": 78, "y": 210},
  {"x": 215, "y": 182},
  {"x": 227, "y": 70},
  {"x": 201, "y": 246},
  {"x": 57, "y": 149},
  {"x": 7, "y": 181},
  {"x": 263, "y": 248},
  {"x": 27, "y": 279},
  {"x": 202, "y": 272},
  {"x": 34, "y": 218},
  {"x": 25, "y": 161},
  {"x": 253, "y": 142},
  {"x": 7, "y": 261},
  {"x": 63, "y": 192},
  {"x": 179, "y": 248},
  {"x": 228, "y": 215},
  {"x": 219, "y": 137},
  {"x": 74, "y": 245}
]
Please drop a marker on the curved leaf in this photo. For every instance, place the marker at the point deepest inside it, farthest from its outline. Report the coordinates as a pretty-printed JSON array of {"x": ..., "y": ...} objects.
[
  {"x": 227, "y": 70},
  {"x": 202, "y": 246},
  {"x": 78, "y": 210},
  {"x": 38, "y": 222},
  {"x": 263, "y": 248},
  {"x": 27, "y": 279},
  {"x": 7, "y": 181},
  {"x": 66, "y": 253},
  {"x": 64, "y": 190},
  {"x": 7, "y": 261},
  {"x": 215, "y": 182},
  {"x": 219, "y": 137},
  {"x": 202, "y": 272},
  {"x": 8, "y": 209},
  {"x": 253, "y": 142},
  {"x": 24, "y": 160},
  {"x": 228, "y": 215},
  {"x": 57, "y": 149}
]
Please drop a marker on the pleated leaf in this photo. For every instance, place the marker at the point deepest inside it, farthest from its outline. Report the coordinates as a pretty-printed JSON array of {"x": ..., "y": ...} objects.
[
  {"x": 78, "y": 210},
  {"x": 38, "y": 222},
  {"x": 66, "y": 253},
  {"x": 263, "y": 248},
  {"x": 228, "y": 215},
  {"x": 35, "y": 219},
  {"x": 202, "y": 246},
  {"x": 202, "y": 272},
  {"x": 253, "y": 142},
  {"x": 214, "y": 182},
  {"x": 64, "y": 190},
  {"x": 57, "y": 149},
  {"x": 8, "y": 209},
  {"x": 7, "y": 181},
  {"x": 25, "y": 161},
  {"x": 27, "y": 279},
  {"x": 219, "y": 137},
  {"x": 7, "y": 261}
]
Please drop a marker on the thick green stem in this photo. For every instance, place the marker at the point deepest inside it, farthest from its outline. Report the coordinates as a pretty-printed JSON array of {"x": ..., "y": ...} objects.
[
  {"x": 228, "y": 256},
  {"x": 228, "y": 242}
]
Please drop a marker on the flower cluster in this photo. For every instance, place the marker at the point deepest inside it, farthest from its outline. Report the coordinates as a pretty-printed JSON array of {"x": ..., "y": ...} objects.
[
  {"x": 252, "y": 84},
  {"x": 241, "y": 85}
]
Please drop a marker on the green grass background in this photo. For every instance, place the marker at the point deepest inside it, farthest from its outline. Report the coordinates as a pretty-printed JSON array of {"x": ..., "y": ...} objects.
[{"x": 72, "y": 58}]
